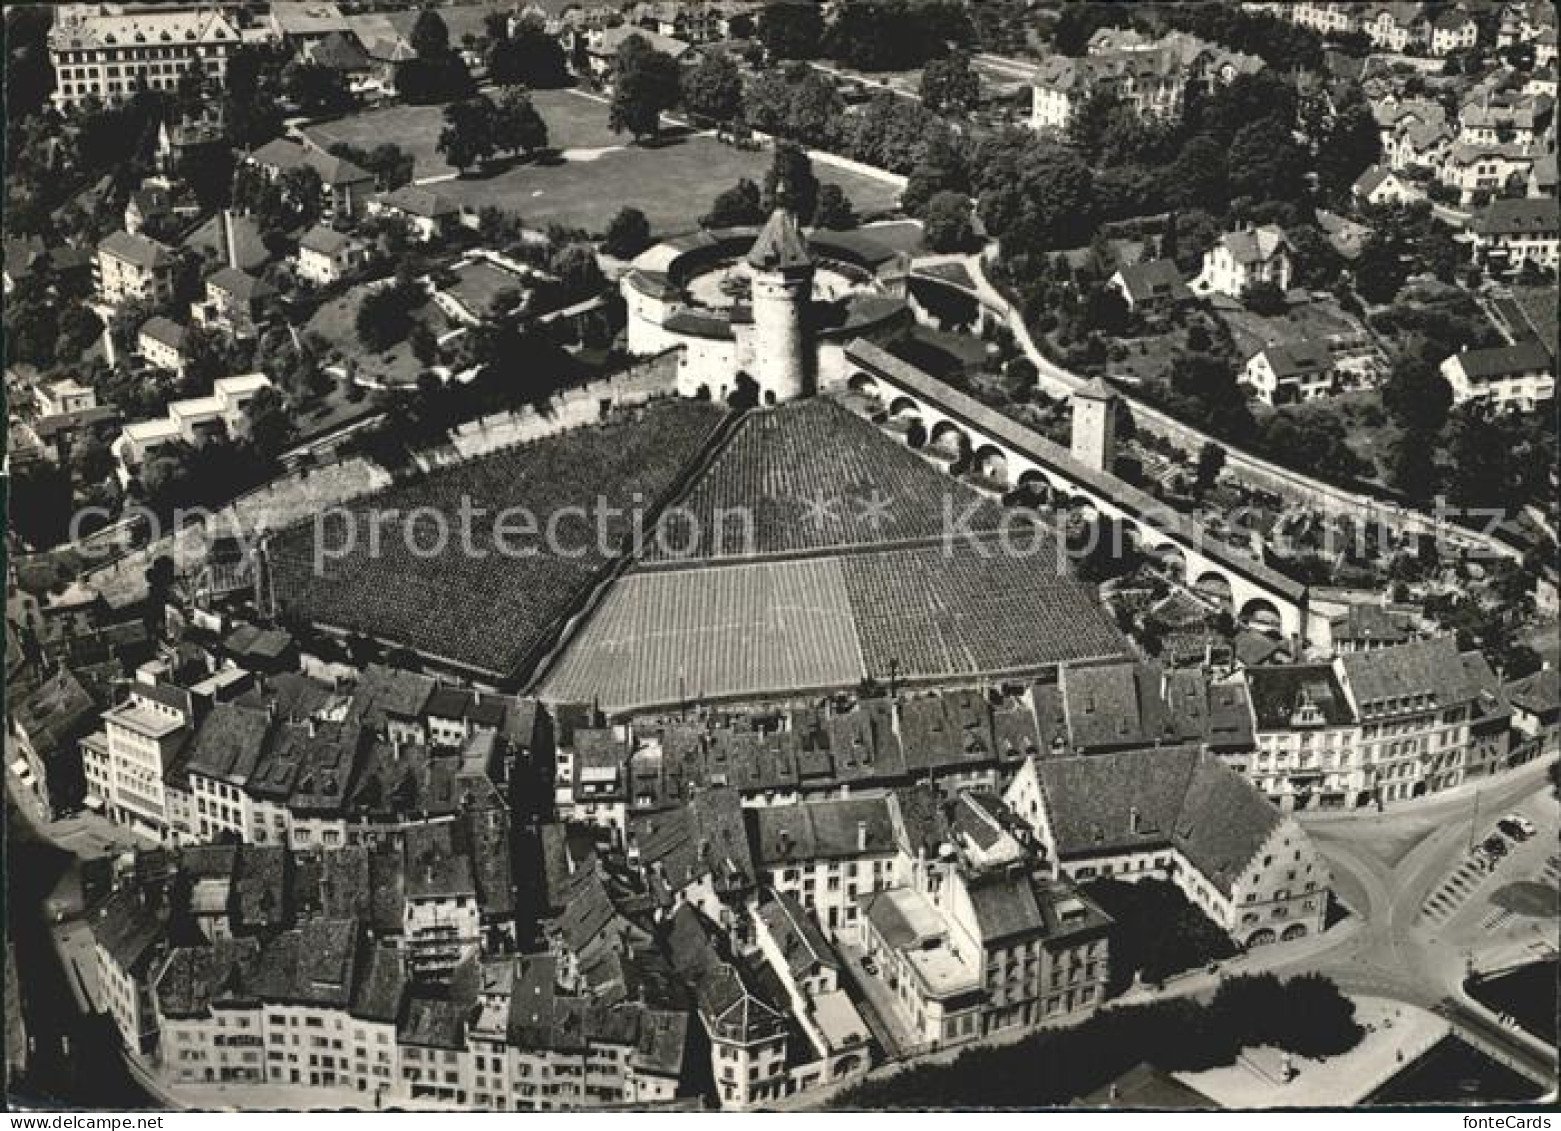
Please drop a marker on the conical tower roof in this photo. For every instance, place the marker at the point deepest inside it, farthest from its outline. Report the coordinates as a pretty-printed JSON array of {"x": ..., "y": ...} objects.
[{"x": 781, "y": 245}]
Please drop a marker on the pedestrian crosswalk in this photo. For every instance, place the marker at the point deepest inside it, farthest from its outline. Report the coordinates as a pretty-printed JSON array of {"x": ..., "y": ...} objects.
[
  {"x": 1454, "y": 890},
  {"x": 1496, "y": 919}
]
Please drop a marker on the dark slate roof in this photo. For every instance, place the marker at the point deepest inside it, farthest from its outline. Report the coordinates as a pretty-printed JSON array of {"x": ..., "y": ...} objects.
[
  {"x": 1504, "y": 361},
  {"x": 433, "y": 1023},
  {"x": 240, "y": 284},
  {"x": 1139, "y": 800},
  {"x": 1538, "y": 694},
  {"x": 129, "y": 926},
  {"x": 421, "y": 202},
  {"x": 802, "y": 945},
  {"x": 1521, "y": 216},
  {"x": 1158, "y": 278},
  {"x": 1369, "y": 622},
  {"x": 1301, "y": 355},
  {"x": 326, "y": 241},
  {"x": 1279, "y": 691},
  {"x": 280, "y": 153},
  {"x": 164, "y": 330},
  {"x": 380, "y": 985},
  {"x": 141, "y": 251},
  {"x": 1005, "y": 906},
  {"x": 230, "y": 742},
  {"x": 57, "y": 711},
  {"x": 1399, "y": 677},
  {"x": 821, "y": 830}
]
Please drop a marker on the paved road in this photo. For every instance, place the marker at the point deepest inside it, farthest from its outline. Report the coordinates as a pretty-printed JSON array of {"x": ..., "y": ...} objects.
[
  {"x": 1387, "y": 865},
  {"x": 75, "y": 1062}
]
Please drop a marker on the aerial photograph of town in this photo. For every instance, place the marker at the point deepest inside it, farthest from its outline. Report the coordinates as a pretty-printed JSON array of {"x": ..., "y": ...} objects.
[{"x": 781, "y": 556}]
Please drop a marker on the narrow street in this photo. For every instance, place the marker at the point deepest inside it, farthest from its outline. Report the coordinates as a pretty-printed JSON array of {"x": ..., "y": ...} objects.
[{"x": 74, "y": 1061}]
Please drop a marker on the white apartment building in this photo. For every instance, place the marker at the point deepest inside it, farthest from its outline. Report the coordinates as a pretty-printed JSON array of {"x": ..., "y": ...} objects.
[
  {"x": 1244, "y": 259},
  {"x": 104, "y": 51},
  {"x": 326, "y": 256},
  {"x": 218, "y": 416},
  {"x": 131, "y": 268},
  {"x": 141, "y": 738},
  {"x": 1510, "y": 233},
  {"x": 1520, "y": 376}
]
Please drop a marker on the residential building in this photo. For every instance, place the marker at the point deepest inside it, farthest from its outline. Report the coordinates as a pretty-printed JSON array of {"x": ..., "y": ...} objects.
[
  {"x": 1150, "y": 77},
  {"x": 1292, "y": 372},
  {"x": 428, "y": 216},
  {"x": 601, "y": 46},
  {"x": 1382, "y": 186},
  {"x": 1180, "y": 814},
  {"x": 1536, "y": 708},
  {"x": 298, "y": 23},
  {"x": 65, "y": 396},
  {"x": 344, "y": 188},
  {"x": 129, "y": 933},
  {"x": 1510, "y": 233},
  {"x": 161, "y": 343},
  {"x": 827, "y": 855},
  {"x": 141, "y": 739},
  {"x": 133, "y": 268},
  {"x": 47, "y": 726},
  {"x": 104, "y": 51},
  {"x": 977, "y": 940},
  {"x": 218, "y": 416},
  {"x": 1453, "y": 31},
  {"x": 1245, "y": 258},
  {"x": 1364, "y": 627},
  {"x": 1485, "y": 170},
  {"x": 1417, "y": 704},
  {"x": 326, "y": 256},
  {"x": 1520, "y": 376},
  {"x": 1151, "y": 288},
  {"x": 236, "y": 302}
]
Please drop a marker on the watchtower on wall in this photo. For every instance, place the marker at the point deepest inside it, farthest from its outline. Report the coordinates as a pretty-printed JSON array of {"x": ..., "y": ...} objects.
[
  {"x": 1095, "y": 426},
  {"x": 782, "y": 290}
]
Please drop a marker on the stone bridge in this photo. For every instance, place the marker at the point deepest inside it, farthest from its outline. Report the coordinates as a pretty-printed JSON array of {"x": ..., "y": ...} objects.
[{"x": 1005, "y": 454}]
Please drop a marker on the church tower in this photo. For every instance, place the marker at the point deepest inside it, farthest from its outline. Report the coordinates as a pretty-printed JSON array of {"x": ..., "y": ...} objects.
[
  {"x": 1095, "y": 426},
  {"x": 782, "y": 291}
]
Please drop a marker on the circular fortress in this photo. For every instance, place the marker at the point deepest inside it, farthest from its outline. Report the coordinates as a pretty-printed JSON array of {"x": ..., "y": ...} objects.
[{"x": 773, "y": 303}]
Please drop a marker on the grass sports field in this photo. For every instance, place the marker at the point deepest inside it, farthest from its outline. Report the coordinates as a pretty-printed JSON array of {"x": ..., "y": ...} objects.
[{"x": 673, "y": 182}]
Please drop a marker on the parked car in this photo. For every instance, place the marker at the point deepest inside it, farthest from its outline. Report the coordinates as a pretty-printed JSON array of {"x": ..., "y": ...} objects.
[
  {"x": 1516, "y": 821},
  {"x": 869, "y": 967},
  {"x": 1495, "y": 846}
]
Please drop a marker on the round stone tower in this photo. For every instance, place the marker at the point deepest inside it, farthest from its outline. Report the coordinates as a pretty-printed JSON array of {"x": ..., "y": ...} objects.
[{"x": 782, "y": 290}]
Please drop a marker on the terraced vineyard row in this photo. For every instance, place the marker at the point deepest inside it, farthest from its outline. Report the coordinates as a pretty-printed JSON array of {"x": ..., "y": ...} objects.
[
  {"x": 932, "y": 611},
  {"x": 666, "y": 636},
  {"x": 811, "y": 476},
  {"x": 475, "y": 599}
]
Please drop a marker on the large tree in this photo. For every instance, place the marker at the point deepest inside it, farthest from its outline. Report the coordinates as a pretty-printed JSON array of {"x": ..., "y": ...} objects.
[
  {"x": 316, "y": 89},
  {"x": 791, "y": 31},
  {"x": 518, "y": 128},
  {"x": 791, "y": 175},
  {"x": 627, "y": 235},
  {"x": 713, "y": 89},
  {"x": 946, "y": 222},
  {"x": 430, "y": 36},
  {"x": 646, "y": 82},
  {"x": 949, "y": 85},
  {"x": 470, "y": 134},
  {"x": 531, "y": 57},
  {"x": 735, "y": 207}
]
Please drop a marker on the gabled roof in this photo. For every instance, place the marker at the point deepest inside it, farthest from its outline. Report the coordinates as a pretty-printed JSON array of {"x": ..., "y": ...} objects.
[
  {"x": 1537, "y": 216},
  {"x": 280, "y": 153},
  {"x": 1503, "y": 361},
  {"x": 1156, "y": 278},
  {"x": 164, "y": 330},
  {"x": 241, "y": 285},
  {"x": 1296, "y": 357},
  {"x": 1141, "y": 800},
  {"x": 1421, "y": 671},
  {"x": 139, "y": 251},
  {"x": 1256, "y": 245},
  {"x": 422, "y": 202}
]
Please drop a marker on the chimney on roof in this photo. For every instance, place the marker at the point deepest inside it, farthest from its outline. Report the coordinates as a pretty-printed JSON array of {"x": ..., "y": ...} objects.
[
  {"x": 861, "y": 836},
  {"x": 229, "y": 243},
  {"x": 1132, "y": 820}
]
